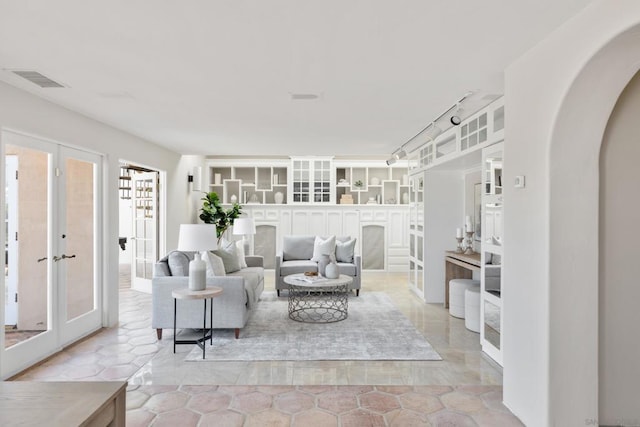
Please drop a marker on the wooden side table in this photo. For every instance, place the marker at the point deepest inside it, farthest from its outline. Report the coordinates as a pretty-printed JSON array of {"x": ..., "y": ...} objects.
[
  {"x": 186, "y": 294},
  {"x": 93, "y": 403}
]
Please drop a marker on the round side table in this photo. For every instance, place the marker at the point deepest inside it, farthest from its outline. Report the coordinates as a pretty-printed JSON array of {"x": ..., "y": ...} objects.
[{"x": 187, "y": 294}]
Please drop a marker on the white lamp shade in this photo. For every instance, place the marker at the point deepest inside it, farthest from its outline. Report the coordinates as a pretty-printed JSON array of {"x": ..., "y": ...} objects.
[
  {"x": 244, "y": 226},
  {"x": 197, "y": 237}
]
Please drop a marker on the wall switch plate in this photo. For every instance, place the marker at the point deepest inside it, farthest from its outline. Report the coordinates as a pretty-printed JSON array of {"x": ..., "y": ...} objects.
[{"x": 519, "y": 181}]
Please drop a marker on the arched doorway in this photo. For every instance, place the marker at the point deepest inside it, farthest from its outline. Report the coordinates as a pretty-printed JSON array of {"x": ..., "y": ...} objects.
[
  {"x": 574, "y": 239},
  {"x": 619, "y": 293}
]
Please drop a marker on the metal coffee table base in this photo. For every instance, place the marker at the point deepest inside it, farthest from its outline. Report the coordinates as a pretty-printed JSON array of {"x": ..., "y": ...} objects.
[{"x": 322, "y": 304}]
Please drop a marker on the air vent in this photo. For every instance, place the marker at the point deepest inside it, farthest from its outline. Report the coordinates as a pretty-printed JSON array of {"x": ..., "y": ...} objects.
[
  {"x": 37, "y": 78},
  {"x": 304, "y": 96}
]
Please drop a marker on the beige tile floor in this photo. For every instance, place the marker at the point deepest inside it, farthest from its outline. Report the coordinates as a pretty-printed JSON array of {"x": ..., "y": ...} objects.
[{"x": 463, "y": 389}]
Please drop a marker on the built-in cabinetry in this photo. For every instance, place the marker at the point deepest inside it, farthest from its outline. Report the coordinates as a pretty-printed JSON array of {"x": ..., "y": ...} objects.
[
  {"x": 371, "y": 183},
  {"x": 491, "y": 271},
  {"x": 416, "y": 234},
  {"x": 319, "y": 196},
  {"x": 456, "y": 175},
  {"x": 243, "y": 182},
  {"x": 309, "y": 180},
  {"x": 380, "y": 231}
]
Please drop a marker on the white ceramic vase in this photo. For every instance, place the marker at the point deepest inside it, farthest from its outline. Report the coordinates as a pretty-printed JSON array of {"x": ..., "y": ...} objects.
[
  {"x": 405, "y": 198},
  {"x": 234, "y": 199},
  {"x": 279, "y": 198},
  {"x": 331, "y": 271}
]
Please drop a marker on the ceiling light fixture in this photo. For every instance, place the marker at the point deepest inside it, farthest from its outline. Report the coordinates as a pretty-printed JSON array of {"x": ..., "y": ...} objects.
[{"x": 455, "y": 119}]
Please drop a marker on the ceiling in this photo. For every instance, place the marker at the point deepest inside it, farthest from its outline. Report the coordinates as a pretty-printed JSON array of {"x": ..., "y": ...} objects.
[{"x": 215, "y": 77}]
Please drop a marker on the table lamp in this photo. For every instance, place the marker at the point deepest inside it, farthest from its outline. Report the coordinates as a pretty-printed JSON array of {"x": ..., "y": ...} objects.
[
  {"x": 197, "y": 238},
  {"x": 245, "y": 227}
]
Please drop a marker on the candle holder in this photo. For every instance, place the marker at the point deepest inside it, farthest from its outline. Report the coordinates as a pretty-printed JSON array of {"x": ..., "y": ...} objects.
[
  {"x": 469, "y": 243},
  {"x": 459, "y": 248}
]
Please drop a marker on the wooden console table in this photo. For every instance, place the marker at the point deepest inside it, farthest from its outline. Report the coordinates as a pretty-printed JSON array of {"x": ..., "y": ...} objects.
[
  {"x": 458, "y": 266},
  {"x": 64, "y": 404}
]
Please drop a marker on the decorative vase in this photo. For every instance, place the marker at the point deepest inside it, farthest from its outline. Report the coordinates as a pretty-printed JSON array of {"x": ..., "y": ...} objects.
[
  {"x": 331, "y": 271},
  {"x": 234, "y": 198},
  {"x": 322, "y": 264},
  {"x": 217, "y": 178},
  {"x": 405, "y": 198},
  {"x": 279, "y": 198}
]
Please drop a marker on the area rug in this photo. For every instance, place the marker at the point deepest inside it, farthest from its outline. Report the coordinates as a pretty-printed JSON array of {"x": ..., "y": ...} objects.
[{"x": 374, "y": 330}]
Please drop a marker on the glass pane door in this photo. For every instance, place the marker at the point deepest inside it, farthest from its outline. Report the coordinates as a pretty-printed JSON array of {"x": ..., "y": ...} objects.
[
  {"x": 145, "y": 228},
  {"x": 77, "y": 254},
  {"x": 52, "y": 241},
  {"x": 27, "y": 207}
]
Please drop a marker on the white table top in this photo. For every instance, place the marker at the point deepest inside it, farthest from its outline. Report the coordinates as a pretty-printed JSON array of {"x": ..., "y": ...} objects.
[
  {"x": 186, "y": 293},
  {"x": 317, "y": 281}
]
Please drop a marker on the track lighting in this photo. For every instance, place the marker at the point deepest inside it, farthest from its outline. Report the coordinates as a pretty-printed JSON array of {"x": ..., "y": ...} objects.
[
  {"x": 455, "y": 119},
  {"x": 431, "y": 131}
]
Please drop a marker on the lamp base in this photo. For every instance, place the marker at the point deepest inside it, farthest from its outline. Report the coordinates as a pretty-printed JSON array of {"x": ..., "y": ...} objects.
[{"x": 197, "y": 274}]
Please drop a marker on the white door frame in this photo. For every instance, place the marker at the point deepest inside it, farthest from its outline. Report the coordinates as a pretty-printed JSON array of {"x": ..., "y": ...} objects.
[
  {"x": 59, "y": 331},
  {"x": 11, "y": 184}
]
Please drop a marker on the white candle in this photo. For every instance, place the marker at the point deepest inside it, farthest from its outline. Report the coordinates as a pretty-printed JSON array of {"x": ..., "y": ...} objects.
[
  {"x": 467, "y": 223},
  {"x": 458, "y": 232}
]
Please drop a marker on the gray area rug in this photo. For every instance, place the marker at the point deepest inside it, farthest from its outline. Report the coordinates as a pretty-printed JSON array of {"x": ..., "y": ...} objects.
[{"x": 374, "y": 330}]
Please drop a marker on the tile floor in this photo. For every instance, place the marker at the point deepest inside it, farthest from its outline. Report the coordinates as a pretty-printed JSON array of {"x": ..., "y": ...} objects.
[{"x": 463, "y": 389}]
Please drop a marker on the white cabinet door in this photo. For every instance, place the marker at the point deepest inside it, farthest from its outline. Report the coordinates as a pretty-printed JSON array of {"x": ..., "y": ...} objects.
[
  {"x": 317, "y": 223},
  {"x": 334, "y": 223}
]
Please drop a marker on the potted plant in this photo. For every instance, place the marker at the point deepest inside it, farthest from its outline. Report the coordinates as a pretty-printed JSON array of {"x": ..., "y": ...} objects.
[{"x": 214, "y": 213}]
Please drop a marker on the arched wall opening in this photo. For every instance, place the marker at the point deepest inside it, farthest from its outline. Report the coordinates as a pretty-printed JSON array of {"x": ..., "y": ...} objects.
[
  {"x": 619, "y": 290},
  {"x": 574, "y": 243}
]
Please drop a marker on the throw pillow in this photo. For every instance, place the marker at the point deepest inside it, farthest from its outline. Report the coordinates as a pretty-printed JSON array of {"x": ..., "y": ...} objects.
[
  {"x": 179, "y": 263},
  {"x": 345, "y": 250},
  {"x": 228, "y": 252},
  {"x": 241, "y": 254},
  {"x": 323, "y": 247},
  {"x": 215, "y": 266}
]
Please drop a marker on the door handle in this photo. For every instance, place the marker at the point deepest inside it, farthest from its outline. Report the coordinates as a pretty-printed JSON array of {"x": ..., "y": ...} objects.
[
  {"x": 42, "y": 259},
  {"x": 64, "y": 256}
]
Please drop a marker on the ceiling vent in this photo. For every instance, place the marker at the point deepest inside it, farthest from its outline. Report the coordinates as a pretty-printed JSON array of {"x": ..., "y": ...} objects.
[
  {"x": 304, "y": 96},
  {"x": 37, "y": 78}
]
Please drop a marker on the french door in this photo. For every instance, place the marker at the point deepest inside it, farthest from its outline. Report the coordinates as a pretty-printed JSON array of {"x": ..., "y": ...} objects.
[
  {"x": 144, "y": 198},
  {"x": 53, "y": 247}
]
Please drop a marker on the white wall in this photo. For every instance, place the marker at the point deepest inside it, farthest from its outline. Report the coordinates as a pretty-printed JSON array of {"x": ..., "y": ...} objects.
[
  {"x": 558, "y": 99},
  {"x": 23, "y": 112},
  {"x": 619, "y": 355},
  {"x": 443, "y": 213}
]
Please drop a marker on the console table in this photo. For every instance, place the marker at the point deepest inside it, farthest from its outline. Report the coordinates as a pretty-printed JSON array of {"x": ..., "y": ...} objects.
[
  {"x": 26, "y": 403},
  {"x": 458, "y": 266}
]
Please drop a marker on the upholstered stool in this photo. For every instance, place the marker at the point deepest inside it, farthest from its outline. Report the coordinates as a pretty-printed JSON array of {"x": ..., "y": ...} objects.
[
  {"x": 456, "y": 295},
  {"x": 472, "y": 309}
]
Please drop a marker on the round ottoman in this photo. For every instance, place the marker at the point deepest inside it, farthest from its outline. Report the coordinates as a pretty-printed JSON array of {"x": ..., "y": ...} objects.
[
  {"x": 472, "y": 309},
  {"x": 456, "y": 295}
]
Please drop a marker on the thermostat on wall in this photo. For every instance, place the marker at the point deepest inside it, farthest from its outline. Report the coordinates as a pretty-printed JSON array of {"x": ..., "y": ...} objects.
[{"x": 519, "y": 181}]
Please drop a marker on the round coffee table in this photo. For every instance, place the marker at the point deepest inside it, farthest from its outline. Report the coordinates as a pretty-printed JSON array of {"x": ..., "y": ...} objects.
[{"x": 318, "y": 300}]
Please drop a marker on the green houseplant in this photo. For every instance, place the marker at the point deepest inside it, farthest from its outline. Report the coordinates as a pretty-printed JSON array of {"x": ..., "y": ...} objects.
[{"x": 214, "y": 213}]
